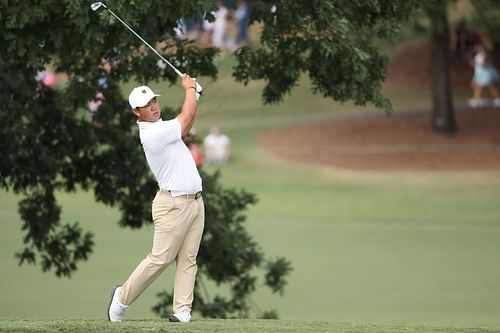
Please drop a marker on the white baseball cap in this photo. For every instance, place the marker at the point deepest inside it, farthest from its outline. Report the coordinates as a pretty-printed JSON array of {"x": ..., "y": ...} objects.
[{"x": 140, "y": 96}]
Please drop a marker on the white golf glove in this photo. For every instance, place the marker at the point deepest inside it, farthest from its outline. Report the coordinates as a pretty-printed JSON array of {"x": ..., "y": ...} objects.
[{"x": 199, "y": 90}]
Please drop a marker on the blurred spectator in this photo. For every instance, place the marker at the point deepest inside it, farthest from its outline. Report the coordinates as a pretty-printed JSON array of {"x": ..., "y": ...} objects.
[
  {"x": 181, "y": 30},
  {"x": 43, "y": 79},
  {"x": 96, "y": 102},
  {"x": 242, "y": 16},
  {"x": 99, "y": 98},
  {"x": 274, "y": 9},
  {"x": 216, "y": 147},
  {"x": 485, "y": 76},
  {"x": 50, "y": 80},
  {"x": 206, "y": 36},
  {"x": 108, "y": 64},
  {"x": 192, "y": 141},
  {"x": 192, "y": 28},
  {"x": 219, "y": 31},
  {"x": 214, "y": 33},
  {"x": 194, "y": 148},
  {"x": 103, "y": 82},
  {"x": 47, "y": 78}
]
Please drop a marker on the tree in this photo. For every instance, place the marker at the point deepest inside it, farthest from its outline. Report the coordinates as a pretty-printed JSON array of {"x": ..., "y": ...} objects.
[
  {"x": 443, "y": 120},
  {"x": 49, "y": 143},
  {"x": 332, "y": 41}
]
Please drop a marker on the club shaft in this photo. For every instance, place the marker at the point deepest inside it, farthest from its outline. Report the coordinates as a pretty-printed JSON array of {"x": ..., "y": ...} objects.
[{"x": 152, "y": 48}]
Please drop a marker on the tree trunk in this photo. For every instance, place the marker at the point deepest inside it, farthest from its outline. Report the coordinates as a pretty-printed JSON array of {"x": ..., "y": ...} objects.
[{"x": 443, "y": 120}]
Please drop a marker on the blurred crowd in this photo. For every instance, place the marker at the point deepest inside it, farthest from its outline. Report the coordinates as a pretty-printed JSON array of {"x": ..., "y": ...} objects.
[{"x": 228, "y": 31}]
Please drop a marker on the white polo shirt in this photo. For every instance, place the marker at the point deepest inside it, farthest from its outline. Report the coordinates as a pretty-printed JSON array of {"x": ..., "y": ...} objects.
[{"x": 168, "y": 157}]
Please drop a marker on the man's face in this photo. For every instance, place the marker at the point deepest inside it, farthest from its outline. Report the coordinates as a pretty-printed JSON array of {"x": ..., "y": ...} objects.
[{"x": 149, "y": 112}]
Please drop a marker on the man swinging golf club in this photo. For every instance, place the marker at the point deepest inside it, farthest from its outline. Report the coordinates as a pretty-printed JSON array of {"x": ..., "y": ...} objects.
[{"x": 178, "y": 211}]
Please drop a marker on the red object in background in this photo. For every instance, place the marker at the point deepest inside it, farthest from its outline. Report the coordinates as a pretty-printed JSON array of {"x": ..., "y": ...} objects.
[
  {"x": 50, "y": 80},
  {"x": 194, "y": 148}
]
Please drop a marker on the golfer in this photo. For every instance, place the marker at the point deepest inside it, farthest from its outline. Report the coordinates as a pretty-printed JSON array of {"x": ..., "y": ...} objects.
[{"x": 178, "y": 211}]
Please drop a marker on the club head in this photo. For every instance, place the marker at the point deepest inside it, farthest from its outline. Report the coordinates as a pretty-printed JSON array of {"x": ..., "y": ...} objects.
[{"x": 96, "y": 5}]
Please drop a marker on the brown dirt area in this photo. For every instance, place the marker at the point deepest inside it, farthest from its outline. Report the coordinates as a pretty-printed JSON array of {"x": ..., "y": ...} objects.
[{"x": 402, "y": 142}]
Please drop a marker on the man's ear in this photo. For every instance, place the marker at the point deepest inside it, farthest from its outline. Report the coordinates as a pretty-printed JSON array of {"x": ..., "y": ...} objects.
[{"x": 135, "y": 111}]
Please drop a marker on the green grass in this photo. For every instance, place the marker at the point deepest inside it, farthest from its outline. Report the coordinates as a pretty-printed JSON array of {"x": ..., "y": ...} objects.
[
  {"x": 371, "y": 251},
  {"x": 220, "y": 326}
]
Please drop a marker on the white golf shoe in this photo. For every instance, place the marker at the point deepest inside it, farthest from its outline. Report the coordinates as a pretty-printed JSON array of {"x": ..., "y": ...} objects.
[
  {"x": 116, "y": 310},
  {"x": 181, "y": 317}
]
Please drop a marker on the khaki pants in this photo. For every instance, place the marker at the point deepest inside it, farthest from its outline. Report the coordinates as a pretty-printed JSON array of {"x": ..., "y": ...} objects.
[{"x": 178, "y": 227}]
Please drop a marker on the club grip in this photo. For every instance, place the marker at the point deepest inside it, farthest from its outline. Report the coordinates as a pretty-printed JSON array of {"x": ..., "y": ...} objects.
[{"x": 199, "y": 90}]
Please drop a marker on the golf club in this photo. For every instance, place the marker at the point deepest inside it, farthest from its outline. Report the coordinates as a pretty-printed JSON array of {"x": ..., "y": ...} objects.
[{"x": 96, "y": 5}]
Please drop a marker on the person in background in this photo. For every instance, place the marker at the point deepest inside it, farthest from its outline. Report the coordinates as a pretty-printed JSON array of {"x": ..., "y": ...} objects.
[
  {"x": 217, "y": 147},
  {"x": 43, "y": 79},
  {"x": 193, "y": 143},
  {"x": 219, "y": 26},
  {"x": 99, "y": 98},
  {"x": 242, "y": 16},
  {"x": 194, "y": 148},
  {"x": 96, "y": 102},
  {"x": 485, "y": 76},
  {"x": 47, "y": 78}
]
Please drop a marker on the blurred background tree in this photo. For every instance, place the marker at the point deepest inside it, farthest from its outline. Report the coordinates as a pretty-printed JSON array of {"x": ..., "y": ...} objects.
[
  {"x": 443, "y": 120},
  {"x": 333, "y": 42}
]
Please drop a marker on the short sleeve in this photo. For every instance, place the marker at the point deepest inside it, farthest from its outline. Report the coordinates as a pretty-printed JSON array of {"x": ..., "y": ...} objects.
[{"x": 170, "y": 131}]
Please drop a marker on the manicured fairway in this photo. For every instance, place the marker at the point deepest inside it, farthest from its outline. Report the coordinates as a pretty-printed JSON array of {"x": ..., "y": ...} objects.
[{"x": 418, "y": 248}]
